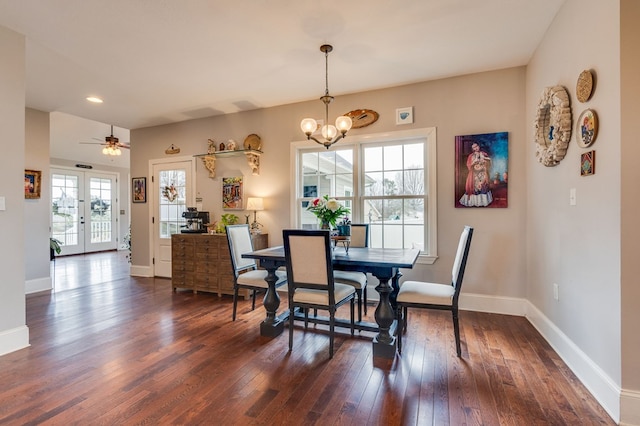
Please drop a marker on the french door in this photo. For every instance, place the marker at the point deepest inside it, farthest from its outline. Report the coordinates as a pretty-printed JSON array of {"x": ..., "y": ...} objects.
[
  {"x": 172, "y": 191},
  {"x": 84, "y": 210}
]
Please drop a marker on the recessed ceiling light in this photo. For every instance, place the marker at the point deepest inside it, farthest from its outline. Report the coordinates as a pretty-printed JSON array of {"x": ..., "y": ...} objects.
[{"x": 94, "y": 99}]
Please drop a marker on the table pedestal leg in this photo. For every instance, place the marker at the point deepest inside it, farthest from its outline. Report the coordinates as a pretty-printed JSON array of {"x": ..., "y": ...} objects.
[
  {"x": 384, "y": 344},
  {"x": 271, "y": 326}
]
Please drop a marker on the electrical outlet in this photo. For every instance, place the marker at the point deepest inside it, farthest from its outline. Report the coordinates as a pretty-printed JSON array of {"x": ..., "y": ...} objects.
[{"x": 555, "y": 291}]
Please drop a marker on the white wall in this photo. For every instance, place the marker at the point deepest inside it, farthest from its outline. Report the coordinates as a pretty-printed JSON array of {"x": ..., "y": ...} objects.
[
  {"x": 578, "y": 247},
  {"x": 36, "y": 211},
  {"x": 630, "y": 235},
  {"x": 14, "y": 333},
  {"x": 479, "y": 103}
]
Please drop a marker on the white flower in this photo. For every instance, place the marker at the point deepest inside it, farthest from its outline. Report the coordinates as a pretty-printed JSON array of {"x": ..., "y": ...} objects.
[{"x": 333, "y": 205}]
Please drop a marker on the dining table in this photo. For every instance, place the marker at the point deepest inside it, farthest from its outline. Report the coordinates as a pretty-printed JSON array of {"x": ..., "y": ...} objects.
[{"x": 382, "y": 263}]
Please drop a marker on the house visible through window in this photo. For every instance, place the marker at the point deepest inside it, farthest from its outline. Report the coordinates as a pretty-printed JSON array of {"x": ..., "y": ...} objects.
[{"x": 387, "y": 182}]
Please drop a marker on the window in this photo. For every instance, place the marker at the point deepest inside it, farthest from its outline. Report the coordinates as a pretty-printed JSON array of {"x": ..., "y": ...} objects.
[
  {"x": 324, "y": 173},
  {"x": 387, "y": 181},
  {"x": 173, "y": 201}
]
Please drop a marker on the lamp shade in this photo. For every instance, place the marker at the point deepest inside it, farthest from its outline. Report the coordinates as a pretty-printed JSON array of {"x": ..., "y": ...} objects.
[
  {"x": 308, "y": 126},
  {"x": 255, "y": 203}
]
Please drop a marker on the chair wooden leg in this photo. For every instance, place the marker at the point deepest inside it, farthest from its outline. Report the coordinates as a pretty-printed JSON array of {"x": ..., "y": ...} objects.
[
  {"x": 332, "y": 327},
  {"x": 399, "y": 329},
  {"x": 364, "y": 302},
  {"x": 235, "y": 302},
  {"x": 306, "y": 317},
  {"x": 456, "y": 331},
  {"x": 352, "y": 318},
  {"x": 253, "y": 299},
  {"x": 291, "y": 313},
  {"x": 405, "y": 321},
  {"x": 359, "y": 293}
]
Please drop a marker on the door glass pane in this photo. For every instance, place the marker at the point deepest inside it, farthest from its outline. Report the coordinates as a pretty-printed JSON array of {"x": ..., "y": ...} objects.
[
  {"x": 172, "y": 190},
  {"x": 101, "y": 210},
  {"x": 64, "y": 208}
]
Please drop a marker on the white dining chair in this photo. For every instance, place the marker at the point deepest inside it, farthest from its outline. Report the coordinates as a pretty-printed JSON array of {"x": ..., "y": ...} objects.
[
  {"x": 359, "y": 238},
  {"x": 417, "y": 294},
  {"x": 310, "y": 279},
  {"x": 245, "y": 271}
]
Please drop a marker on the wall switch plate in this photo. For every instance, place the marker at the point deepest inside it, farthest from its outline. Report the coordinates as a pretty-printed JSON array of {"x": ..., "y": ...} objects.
[
  {"x": 555, "y": 291},
  {"x": 3, "y": 206},
  {"x": 572, "y": 197}
]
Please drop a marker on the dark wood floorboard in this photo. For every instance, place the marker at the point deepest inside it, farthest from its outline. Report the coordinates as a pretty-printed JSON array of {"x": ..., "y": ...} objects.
[{"x": 110, "y": 349}]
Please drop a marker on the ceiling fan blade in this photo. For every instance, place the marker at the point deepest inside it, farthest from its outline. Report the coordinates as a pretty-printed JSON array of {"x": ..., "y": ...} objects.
[
  {"x": 98, "y": 139},
  {"x": 92, "y": 143}
]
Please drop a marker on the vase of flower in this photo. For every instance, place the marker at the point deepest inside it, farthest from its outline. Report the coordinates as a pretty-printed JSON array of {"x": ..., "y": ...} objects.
[{"x": 328, "y": 211}]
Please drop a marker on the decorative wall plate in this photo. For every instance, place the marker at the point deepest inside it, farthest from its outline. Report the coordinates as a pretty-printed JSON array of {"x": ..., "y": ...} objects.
[
  {"x": 362, "y": 117},
  {"x": 584, "y": 86},
  {"x": 587, "y": 128},
  {"x": 253, "y": 142}
]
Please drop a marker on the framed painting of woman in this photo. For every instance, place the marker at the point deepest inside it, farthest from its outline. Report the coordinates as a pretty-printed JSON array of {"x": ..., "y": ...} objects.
[{"x": 481, "y": 170}]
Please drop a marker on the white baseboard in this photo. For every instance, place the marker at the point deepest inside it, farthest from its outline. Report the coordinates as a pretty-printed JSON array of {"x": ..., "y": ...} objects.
[
  {"x": 14, "y": 339},
  {"x": 493, "y": 304},
  {"x": 601, "y": 386},
  {"x": 37, "y": 285},
  {"x": 140, "y": 271}
]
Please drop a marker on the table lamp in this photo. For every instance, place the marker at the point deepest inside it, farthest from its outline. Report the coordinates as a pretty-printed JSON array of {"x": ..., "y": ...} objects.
[{"x": 255, "y": 204}]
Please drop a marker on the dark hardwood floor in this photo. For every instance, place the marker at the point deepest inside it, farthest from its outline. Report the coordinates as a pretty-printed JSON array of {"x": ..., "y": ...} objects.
[{"x": 110, "y": 349}]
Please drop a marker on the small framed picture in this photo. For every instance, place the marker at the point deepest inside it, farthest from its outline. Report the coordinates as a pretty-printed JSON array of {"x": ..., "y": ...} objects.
[
  {"x": 404, "y": 115},
  {"x": 588, "y": 163},
  {"x": 32, "y": 183},
  {"x": 139, "y": 189},
  {"x": 232, "y": 193}
]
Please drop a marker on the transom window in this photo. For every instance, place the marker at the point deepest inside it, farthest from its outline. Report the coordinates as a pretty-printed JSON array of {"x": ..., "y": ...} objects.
[{"x": 387, "y": 181}]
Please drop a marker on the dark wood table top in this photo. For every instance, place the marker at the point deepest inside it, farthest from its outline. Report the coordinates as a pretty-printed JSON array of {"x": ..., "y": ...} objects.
[{"x": 357, "y": 257}]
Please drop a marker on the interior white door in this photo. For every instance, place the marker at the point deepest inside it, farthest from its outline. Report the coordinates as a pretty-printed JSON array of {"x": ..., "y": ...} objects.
[
  {"x": 173, "y": 191},
  {"x": 101, "y": 212},
  {"x": 67, "y": 210},
  {"x": 84, "y": 210}
]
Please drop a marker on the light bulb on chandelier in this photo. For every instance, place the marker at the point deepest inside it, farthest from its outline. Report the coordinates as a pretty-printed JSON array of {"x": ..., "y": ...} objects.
[
  {"x": 110, "y": 150},
  {"x": 329, "y": 131}
]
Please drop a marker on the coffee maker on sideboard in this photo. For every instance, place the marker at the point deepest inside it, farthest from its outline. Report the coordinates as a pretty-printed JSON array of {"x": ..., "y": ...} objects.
[{"x": 196, "y": 221}]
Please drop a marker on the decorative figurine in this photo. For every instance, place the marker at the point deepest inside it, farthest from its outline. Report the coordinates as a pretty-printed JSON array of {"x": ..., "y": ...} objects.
[
  {"x": 212, "y": 147},
  {"x": 221, "y": 146}
]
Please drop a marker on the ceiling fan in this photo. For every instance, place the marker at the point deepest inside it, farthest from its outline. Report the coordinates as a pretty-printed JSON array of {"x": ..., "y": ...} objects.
[{"x": 111, "y": 144}]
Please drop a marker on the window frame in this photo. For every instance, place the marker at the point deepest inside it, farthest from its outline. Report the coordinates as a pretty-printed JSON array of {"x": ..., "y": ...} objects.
[{"x": 429, "y": 254}]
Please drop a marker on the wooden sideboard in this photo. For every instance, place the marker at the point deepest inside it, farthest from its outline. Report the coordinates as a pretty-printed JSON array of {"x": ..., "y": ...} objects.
[{"x": 201, "y": 262}]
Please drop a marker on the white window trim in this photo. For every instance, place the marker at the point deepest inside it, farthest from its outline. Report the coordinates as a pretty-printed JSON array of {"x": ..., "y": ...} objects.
[{"x": 428, "y": 133}]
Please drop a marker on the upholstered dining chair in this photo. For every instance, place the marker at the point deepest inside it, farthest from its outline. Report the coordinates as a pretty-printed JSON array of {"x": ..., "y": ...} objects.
[
  {"x": 245, "y": 271},
  {"x": 310, "y": 278},
  {"x": 416, "y": 294},
  {"x": 359, "y": 238}
]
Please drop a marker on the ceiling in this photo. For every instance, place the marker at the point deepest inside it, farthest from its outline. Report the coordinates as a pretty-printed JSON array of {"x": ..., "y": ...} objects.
[{"x": 161, "y": 61}]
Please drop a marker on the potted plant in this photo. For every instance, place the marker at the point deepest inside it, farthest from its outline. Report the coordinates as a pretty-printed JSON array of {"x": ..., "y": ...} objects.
[
  {"x": 226, "y": 219},
  {"x": 126, "y": 243},
  {"x": 54, "y": 247}
]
